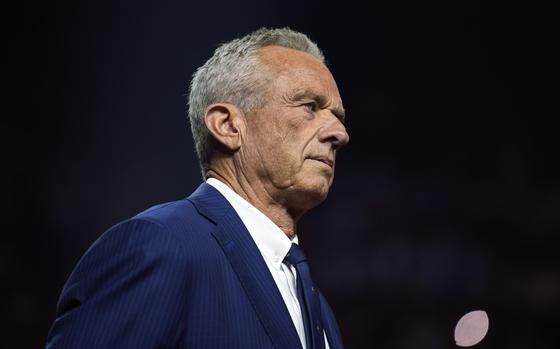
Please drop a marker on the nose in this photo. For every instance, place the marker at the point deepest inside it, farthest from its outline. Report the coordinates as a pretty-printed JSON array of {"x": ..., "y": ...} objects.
[{"x": 334, "y": 132}]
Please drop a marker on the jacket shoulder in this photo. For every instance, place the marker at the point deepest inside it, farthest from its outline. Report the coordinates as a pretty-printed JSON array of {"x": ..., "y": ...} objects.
[{"x": 172, "y": 215}]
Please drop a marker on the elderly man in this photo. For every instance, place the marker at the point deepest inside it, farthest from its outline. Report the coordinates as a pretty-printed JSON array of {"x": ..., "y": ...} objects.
[{"x": 222, "y": 268}]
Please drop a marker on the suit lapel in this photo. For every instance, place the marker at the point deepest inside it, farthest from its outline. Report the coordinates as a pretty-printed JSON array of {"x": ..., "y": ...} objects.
[{"x": 249, "y": 265}]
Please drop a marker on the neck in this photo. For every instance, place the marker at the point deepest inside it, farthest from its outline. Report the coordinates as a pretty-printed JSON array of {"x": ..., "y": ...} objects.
[{"x": 258, "y": 196}]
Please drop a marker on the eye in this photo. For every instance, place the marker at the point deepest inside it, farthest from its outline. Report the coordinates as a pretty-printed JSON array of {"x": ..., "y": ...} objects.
[{"x": 311, "y": 106}]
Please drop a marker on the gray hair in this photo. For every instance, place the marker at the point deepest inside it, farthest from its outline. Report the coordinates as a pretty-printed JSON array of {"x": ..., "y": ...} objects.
[{"x": 234, "y": 75}]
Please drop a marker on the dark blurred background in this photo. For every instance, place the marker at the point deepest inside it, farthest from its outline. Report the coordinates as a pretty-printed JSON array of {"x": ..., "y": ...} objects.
[{"x": 446, "y": 200}]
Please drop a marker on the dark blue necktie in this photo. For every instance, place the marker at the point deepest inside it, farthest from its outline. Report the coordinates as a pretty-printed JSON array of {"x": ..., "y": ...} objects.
[{"x": 308, "y": 297}]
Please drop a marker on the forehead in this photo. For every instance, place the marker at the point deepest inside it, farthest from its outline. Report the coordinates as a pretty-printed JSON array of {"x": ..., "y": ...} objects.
[
  {"x": 283, "y": 57},
  {"x": 298, "y": 70}
]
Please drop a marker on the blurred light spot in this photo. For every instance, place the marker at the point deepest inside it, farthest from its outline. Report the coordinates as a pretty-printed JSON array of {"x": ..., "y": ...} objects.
[{"x": 471, "y": 328}]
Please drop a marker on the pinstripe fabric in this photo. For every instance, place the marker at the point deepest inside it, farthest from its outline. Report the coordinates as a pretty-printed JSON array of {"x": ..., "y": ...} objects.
[{"x": 180, "y": 275}]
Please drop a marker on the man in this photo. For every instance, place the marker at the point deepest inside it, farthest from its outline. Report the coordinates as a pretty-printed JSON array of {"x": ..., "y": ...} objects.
[{"x": 222, "y": 269}]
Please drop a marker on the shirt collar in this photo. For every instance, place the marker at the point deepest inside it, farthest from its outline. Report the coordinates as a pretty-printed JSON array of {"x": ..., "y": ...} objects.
[{"x": 269, "y": 238}]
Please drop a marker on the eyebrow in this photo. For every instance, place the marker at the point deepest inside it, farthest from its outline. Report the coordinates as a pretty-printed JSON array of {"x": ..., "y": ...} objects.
[{"x": 301, "y": 95}]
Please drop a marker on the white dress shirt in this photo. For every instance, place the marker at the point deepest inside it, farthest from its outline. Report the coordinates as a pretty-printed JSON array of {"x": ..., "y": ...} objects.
[{"x": 274, "y": 246}]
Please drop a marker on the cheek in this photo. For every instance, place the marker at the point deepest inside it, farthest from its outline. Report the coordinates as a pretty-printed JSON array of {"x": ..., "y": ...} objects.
[
  {"x": 281, "y": 141},
  {"x": 282, "y": 161}
]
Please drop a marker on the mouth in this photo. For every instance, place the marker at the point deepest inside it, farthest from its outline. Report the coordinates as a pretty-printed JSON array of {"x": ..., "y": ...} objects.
[{"x": 324, "y": 160}]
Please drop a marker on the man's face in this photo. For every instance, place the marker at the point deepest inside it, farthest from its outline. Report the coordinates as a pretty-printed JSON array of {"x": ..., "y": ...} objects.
[{"x": 291, "y": 141}]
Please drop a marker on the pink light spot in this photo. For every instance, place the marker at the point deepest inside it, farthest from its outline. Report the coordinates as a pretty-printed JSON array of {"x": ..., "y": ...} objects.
[{"x": 471, "y": 328}]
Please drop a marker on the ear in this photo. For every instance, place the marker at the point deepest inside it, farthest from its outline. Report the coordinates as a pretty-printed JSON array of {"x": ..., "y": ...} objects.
[{"x": 226, "y": 123}]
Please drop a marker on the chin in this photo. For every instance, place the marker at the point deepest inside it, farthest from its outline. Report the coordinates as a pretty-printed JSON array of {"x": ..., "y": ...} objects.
[{"x": 311, "y": 193}]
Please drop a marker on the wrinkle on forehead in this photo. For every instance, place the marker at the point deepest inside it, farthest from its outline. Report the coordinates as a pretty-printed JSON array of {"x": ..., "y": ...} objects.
[
  {"x": 311, "y": 75},
  {"x": 281, "y": 58}
]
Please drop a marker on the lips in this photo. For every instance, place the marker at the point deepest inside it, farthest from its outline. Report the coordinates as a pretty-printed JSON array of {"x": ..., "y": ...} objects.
[{"x": 324, "y": 160}]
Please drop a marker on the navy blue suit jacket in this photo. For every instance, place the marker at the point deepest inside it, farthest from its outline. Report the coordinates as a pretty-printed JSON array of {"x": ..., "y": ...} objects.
[{"x": 185, "y": 274}]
